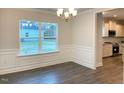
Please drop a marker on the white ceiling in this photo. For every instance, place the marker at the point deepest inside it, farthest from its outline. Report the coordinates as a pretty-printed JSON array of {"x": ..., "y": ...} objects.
[
  {"x": 53, "y": 10},
  {"x": 119, "y": 12}
]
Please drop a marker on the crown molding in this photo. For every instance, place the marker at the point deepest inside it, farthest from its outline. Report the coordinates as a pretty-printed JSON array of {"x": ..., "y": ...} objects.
[
  {"x": 96, "y": 10},
  {"x": 37, "y": 10}
]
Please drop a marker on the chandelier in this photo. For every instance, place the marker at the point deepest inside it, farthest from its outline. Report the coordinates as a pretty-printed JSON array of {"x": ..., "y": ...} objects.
[{"x": 66, "y": 13}]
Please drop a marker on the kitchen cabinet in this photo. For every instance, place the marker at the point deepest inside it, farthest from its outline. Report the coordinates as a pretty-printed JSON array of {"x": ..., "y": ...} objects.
[
  {"x": 107, "y": 50},
  {"x": 121, "y": 48},
  {"x": 113, "y": 25},
  {"x": 119, "y": 30},
  {"x": 123, "y": 52},
  {"x": 105, "y": 30},
  {"x": 109, "y": 25}
]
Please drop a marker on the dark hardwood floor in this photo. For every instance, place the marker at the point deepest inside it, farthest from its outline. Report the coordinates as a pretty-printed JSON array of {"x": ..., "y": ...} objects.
[{"x": 70, "y": 73}]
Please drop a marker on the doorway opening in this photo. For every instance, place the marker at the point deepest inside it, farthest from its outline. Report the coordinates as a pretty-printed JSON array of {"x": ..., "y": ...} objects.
[{"x": 110, "y": 41}]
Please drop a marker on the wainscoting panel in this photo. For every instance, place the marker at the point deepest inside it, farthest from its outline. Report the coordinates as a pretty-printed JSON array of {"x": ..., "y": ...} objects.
[
  {"x": 10, "y": 61},
  {"x": 84, "y": 56}
]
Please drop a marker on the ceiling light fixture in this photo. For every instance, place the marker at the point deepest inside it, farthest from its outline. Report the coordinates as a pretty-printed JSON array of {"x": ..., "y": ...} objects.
[
  {"x": 66, "y": 13},
  {"x": 103, "y": 13},
  {"x": 115, "y": 15}
]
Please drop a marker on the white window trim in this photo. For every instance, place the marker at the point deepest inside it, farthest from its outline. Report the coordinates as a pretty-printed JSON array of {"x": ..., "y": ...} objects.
[{"x": 40, "y": 52}]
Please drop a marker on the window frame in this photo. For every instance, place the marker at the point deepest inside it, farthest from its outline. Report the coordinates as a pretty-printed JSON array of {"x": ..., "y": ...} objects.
[{"x": 39, "y": 39}]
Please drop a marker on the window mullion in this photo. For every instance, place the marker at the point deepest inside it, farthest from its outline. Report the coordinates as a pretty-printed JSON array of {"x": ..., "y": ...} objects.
[{"x": 40, "y": 38}]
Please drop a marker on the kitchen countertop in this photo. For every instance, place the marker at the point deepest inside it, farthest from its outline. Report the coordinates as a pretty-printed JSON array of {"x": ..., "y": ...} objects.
[
  {"x": 107, "y": 43},
  {"x": 122, "y": 44}
]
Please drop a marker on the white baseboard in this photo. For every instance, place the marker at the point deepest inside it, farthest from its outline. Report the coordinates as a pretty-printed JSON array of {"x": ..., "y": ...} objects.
[
  {"x": 84, "y": 63},
  {"x": 99, "y": 64},
  {"x": 84, "y": 56},
  {"x": 31, "y": 66}
]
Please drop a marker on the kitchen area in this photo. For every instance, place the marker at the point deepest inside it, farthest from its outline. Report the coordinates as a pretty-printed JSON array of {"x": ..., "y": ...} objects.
[{"x": 113, "y": 33}]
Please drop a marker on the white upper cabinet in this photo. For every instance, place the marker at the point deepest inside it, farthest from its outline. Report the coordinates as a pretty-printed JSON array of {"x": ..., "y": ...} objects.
[
  {"x": 105, "y": 30},
  {"x": 113, "y": 25},
  {"x": 119, "y": 30}
]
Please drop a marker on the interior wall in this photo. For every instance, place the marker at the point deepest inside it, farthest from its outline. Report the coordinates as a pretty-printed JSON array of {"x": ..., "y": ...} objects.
[
  {"x": 87, "y": 41},
  {"x": 99, "y": 39},
  {"x": 9, "y": 26},
  {"x": 84, "y": 39},
  {"x": 9, "y": 41}
]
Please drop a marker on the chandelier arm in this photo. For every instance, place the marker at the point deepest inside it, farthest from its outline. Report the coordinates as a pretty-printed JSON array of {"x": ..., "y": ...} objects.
[{"x": 67, "y": 13}]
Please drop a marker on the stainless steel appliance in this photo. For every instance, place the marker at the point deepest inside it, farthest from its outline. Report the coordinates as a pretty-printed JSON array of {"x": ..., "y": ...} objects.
[
  {"x": 115, "y": 49},
  {"x": 112, "y": 33}
]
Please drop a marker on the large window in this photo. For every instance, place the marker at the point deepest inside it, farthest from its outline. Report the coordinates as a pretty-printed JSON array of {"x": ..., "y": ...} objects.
[{"x": 37, "y": 37}]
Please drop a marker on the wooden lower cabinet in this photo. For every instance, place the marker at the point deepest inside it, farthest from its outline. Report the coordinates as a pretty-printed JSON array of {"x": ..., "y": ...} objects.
[{"x": 107, "y": 50}]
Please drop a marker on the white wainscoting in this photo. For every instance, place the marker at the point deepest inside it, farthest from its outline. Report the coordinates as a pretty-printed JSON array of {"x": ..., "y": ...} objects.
[
  {"x": 84, "y": 56},
  {"x": 10, "y": 62}
]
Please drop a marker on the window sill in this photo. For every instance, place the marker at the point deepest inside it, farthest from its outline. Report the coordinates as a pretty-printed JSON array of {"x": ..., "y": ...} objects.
[{"x": 41, "y": 53}]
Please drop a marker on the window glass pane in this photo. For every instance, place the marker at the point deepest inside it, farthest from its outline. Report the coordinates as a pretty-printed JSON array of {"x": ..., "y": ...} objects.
[
  {"x": 49, "y": 40},
  {"x": 29, "y": 37}
]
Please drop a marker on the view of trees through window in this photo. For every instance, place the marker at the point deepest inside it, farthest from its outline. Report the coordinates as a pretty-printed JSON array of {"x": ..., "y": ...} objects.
[
  {"x": 34, "y": 40},
  {"x": 48, "y": 36}
]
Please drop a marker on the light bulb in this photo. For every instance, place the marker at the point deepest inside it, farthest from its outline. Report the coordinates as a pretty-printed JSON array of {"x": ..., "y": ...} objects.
[
  {"x": 71, "y": 10},
  {"x": 115, "y": 15},
  {"x": 103, "y": 13},
  {"x": 66, "y": 14},
  {"x": 74, "y": 13},
  {"x": 59, "y": 12}
]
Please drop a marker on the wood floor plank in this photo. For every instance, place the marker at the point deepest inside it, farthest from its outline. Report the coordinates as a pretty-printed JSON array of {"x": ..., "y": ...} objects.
[{"x": 70, "y": 73}]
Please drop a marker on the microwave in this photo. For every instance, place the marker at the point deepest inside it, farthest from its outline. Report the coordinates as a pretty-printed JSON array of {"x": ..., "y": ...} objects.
[{"x": 112, "y": 33}]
